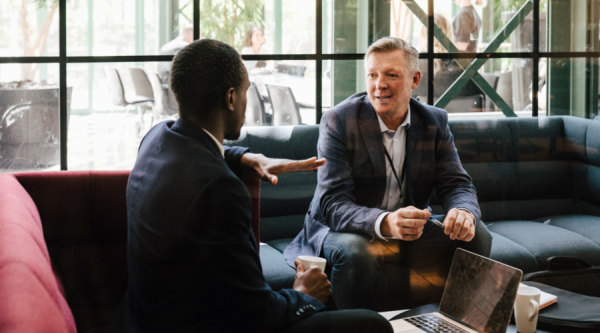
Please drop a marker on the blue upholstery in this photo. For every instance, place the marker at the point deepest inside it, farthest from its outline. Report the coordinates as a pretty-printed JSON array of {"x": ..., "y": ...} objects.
[{"x": 526, "y": 171}]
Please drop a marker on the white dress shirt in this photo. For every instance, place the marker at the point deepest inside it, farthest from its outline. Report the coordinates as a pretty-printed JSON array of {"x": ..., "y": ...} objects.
[
  {"x": 395, "y": 143},
  {"x": 221, "y": 149}
]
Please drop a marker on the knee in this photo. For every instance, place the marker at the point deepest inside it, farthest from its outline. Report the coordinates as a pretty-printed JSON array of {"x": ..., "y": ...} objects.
[
  {"x": 349, "y": 248},
  {"x": 367, "y": 321},
  {"x": 482, "y": 242}
]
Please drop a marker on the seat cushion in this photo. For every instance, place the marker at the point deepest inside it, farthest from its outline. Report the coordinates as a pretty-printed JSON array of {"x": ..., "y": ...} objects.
[
  {"x": 276, "y": 271},
  {"x": 280, "y": 244},
  {"x": 544, "y": 241},
  {"x": 587, "y": 226},
  {"x": 508, "y": 252}
]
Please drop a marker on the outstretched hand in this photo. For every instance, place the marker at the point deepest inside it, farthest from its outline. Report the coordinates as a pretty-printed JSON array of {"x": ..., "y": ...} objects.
[{"x": 268, "y": 168}]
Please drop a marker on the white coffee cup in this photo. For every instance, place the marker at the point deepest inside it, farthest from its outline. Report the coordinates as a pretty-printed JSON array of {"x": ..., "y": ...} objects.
[
  {"x": 309, "y": 262},
  {"x": 527, "y": 307}
]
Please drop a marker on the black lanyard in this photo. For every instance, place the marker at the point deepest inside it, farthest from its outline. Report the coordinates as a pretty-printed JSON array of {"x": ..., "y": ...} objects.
[{"x": 396, "y": 175}]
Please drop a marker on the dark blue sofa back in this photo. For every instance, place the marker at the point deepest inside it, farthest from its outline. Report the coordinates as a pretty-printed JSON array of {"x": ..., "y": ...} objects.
[{"x": 523, "y": 169}]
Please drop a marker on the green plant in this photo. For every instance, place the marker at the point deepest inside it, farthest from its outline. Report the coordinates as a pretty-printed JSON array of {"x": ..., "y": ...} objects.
[
  {"x": 229, "y": 20},
  {"x": 34, "y": 35}
]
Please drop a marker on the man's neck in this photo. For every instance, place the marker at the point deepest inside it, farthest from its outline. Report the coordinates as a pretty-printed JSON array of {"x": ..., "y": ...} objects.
[
  {"x": 393, "y": 122},
  {"x": 213, "y": 126}
]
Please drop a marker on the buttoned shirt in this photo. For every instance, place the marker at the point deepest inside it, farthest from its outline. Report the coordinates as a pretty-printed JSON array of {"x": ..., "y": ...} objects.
[
  {"x": 395, "y": 144},
  {"x": 220, "y": 145}
]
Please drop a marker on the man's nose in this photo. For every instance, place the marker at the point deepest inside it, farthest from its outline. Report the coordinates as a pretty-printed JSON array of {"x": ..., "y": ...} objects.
[{"x": 381, "y": 83}]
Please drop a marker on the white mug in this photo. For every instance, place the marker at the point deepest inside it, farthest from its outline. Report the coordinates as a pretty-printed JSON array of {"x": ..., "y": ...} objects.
[
  {"x": 309, "y": 262},
  {"x": 527, "y": 307}
]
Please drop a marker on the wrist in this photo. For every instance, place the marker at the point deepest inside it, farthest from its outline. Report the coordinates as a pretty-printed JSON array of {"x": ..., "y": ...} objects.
[{"x": 385, "y": 227}]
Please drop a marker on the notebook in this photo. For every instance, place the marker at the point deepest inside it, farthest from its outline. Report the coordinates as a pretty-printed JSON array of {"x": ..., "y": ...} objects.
[
  {"x": 547, "y": 299},
  {"x": 478, "y": 297}
]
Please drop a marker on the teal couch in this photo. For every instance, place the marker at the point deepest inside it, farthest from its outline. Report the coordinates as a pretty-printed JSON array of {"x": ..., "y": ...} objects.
[{"x": 537, "y": 179}]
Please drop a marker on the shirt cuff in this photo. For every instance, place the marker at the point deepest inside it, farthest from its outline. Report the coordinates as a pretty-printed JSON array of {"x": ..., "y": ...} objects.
[{"x": 378, "y": 227}]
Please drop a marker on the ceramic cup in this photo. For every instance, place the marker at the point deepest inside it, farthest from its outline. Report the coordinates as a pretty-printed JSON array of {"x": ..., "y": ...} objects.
[
  {"x": 309, "y": 262},
  {"x": 527, "y": 307}
]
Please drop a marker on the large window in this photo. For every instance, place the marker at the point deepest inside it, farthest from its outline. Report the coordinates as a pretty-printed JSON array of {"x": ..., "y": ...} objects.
[{"x": 82, "y": 81}]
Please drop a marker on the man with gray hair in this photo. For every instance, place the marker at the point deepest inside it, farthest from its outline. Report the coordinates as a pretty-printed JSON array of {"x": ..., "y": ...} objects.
[{"x": 386, "y": 154}]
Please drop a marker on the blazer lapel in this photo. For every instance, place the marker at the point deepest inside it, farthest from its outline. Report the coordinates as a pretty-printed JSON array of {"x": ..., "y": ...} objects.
[
  {"x": 413, "y": 151},
  {"x": 371, "y": 135}
]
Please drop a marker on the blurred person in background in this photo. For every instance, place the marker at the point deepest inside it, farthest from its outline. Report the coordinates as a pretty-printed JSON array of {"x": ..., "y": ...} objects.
[
  {"x": 445, "y": 71},
  {"x": 254, "y": 44},
  {"x": 467, "y": 25}
]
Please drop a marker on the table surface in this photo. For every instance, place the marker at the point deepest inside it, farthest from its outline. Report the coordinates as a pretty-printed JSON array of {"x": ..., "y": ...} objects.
[{"x": 434, "y": 308}]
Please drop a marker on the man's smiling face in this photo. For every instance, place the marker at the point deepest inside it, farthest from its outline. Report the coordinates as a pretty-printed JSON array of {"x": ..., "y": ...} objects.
[{"x": 390, "y": 83}]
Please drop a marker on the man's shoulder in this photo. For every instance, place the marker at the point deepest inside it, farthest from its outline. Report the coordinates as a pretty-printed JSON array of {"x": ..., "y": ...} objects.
[{"x": 429, "y": 114}]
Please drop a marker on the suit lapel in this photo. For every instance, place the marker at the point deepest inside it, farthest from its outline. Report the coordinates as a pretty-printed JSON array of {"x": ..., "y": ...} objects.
[
  {"x": 371, "y": 135},
  {"x": 414, "y": 138}
]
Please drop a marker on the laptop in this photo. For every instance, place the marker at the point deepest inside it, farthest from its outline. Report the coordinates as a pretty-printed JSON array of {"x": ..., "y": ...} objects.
[{"x": 478, "y": 298}]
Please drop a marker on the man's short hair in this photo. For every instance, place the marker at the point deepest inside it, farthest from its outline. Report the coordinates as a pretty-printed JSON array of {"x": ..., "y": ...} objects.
[
  {"x": 201, "y": 74},
  {"x": 389, "y": 44}
]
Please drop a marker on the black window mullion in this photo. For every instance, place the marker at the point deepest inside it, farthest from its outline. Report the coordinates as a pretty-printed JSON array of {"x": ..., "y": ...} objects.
[
  {"x": 63, "y": 119},
  {"x": 319, "y": 60},
  {"x": 196, "y": 10},
  {"x": 430, "y": 52},
  {"x": 536, "y": 58}
]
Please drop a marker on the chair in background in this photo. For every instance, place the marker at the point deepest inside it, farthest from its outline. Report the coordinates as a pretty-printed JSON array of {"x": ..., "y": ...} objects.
[
  {"x": 160, "y": 108},
  {"x": 255, "y": 108},
  {"x": 285, "y": 109},
  {"x": 141, "y": 86},
  {"x": 117, "y": 94},
  {"x": 297, "y": 70},
  {"x": 492, "y": 80}
]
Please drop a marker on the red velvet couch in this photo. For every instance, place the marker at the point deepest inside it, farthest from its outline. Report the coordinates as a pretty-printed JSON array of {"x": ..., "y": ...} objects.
[{"x": 63, "y": 241}]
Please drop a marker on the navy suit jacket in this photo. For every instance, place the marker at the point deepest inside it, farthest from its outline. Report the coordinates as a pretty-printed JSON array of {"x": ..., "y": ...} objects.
[
  {"x": 352, "y": 183},
  {"x": 192, "y": 257}
]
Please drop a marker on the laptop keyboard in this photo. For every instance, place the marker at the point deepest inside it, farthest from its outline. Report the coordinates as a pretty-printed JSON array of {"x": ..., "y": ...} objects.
[{"x": 433, "y": 324}]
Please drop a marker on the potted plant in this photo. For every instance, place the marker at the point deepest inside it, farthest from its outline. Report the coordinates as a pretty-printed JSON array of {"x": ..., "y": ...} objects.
[{"x": 29, "y": 109}]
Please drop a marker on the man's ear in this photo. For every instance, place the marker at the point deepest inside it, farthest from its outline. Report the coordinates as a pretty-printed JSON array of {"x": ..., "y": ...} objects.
[
  {"x": 416, "y": 79},
  {"x": 230, "y": 99}
]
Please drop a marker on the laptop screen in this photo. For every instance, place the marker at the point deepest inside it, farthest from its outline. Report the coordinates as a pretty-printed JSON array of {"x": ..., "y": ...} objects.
[{"x": 480, "y": 292}]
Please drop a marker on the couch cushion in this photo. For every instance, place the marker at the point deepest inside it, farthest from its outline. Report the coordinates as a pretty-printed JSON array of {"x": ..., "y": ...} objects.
[
  {"x": 276, "y": 271},
  {"x": 280, "y": 244},
  {"x": 587, "y": 226},
  {"x": 545, "y": 241},
  {"x": 277, "y": 227},
  {"x": 27, "y": 306},
  {"x": 508, "y": 252}
]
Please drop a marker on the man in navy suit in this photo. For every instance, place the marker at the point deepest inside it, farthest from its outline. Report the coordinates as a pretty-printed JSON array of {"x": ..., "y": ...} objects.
[
  {"x": 386, "y": 153},
  {"x": 192, "y": 257}
]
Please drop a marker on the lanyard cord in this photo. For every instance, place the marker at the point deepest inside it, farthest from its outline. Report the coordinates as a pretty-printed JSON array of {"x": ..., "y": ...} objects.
[{"x": 395, "y": 174}]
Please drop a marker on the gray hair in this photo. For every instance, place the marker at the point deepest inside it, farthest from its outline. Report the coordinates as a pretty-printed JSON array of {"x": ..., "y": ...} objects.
[{"x": 389, "y": 44}]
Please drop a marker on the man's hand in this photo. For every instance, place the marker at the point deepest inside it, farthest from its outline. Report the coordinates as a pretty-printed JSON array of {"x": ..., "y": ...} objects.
[
  {"x": 460, "y": 225},
  {"x": 406, "y": 223},
  {"x": 312, "y": 282},
  {"x": 268, "y": 168}
]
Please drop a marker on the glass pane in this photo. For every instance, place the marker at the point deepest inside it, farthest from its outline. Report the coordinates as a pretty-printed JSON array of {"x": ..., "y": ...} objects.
[
  {"x": 342, "y": 79},
  {"x": 472, "y": 25},
  {"x": 350, "y": 26},
  {"x": 29, "y": 113},
  {"x": 509, "y": 89},
  {"x": 284, "y": 96},
  {"x": 261, "y": 26},
  {"x": 116, "y": 27},
  {"x": 105, "y": 127},
  {"x": 21, "y": 31},
  {"x": 569, "y": 86},
  {"x": 573, "y": 25}
]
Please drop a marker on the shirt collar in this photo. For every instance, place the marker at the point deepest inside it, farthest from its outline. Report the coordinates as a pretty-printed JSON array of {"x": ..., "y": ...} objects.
[
  {"x": 405, "y": 123},
  {"x": 217, "y": 142}
]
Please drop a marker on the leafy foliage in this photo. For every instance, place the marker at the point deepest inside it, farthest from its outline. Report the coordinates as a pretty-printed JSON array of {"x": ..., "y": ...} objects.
[{"x": 230, "y": 20}]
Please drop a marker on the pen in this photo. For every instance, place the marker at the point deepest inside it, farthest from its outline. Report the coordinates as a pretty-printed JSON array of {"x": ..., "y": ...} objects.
[{"x": 436, "y": 222}]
